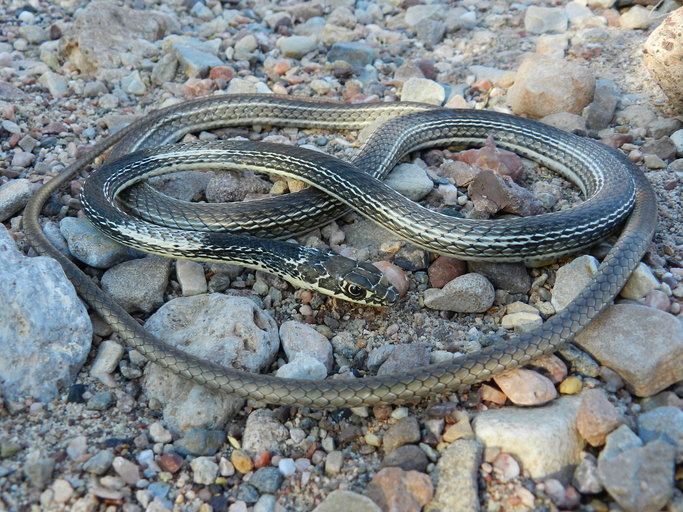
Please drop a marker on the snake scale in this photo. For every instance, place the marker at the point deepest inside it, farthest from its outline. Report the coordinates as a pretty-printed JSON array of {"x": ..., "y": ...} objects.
[{"x": 615, "y": 188}]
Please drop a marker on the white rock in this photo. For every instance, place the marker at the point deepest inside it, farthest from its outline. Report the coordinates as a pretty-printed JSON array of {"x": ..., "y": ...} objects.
[
  {"x": 191, "y": 277},
  {"x": 159, "y": 433},
  {"x": 303, "y": 367},
  {"x": 204, "y": 470},
  {"x": 423, "y": 90},
  {"x": 109, "y": 354},
  {"x": 539, "y": 20},
  {"x": 677, "y": 138},
  {"x": 263, "y": 432},
  {"x": 300, "y": 339},
  {"x": 13, "y": 197},
  {"x": 410, "y": 180},
  {"x": 469, "y": 293}
]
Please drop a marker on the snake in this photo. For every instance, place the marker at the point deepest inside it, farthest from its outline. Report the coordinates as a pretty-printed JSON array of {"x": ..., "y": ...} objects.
[{"x": 617, "y": 194}]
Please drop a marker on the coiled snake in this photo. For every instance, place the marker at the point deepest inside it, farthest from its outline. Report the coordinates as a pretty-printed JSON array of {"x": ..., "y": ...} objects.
[{"x": 615, "y": 190}]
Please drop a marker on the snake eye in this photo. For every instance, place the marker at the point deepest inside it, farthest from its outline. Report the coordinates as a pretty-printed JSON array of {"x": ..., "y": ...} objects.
[{"x": 355, "y": 291}]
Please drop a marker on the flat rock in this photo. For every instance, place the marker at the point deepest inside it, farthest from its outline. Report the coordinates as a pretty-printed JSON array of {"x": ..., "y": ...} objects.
[
  {"x": 663, "y": 423},
  {"x": 138, "y": 285},
  {"x": 347, "y": 500},
  {"x": 512, "y": 277},
  {"x": 301, "y": 339},
  {"x": 13, "y": 197},
  {"x": 90, "y": 246},
  {"x": 458, "y": 470},
  {"x": 643, "y": 345},
  {"x": 543, "y": 439},
  {"x": 395, "y": 489},
  {"x": 229, "y": 331},
  {"x": 571, "y": 279},
  {"x": 46, "y": 333},
  {"x": 596, "y": 417},
  {"x": 526, "y": 387},
  {"x": 423, "y": 90},
  {"x": 469, "y": 293}
]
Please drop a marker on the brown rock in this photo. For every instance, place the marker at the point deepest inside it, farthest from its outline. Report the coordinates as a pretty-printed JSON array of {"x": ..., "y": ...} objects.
[
  {"x": 395, "y": 275},
  {"x": 552, "y": 367},
  {"x": 491, "y": 158},
  {"x": 596, "y": 417},
  {"x": 404, "y": 431},
  {"x": 445, "y": 269},
  {"x": 493, "y": 395},
  {"x": 526, "y": 387},
  {"x": 663, "y": 55},
  {"x": 170, "y": 462},
  {"x": 492, "y": 193},
  {"x": 546, "y": 85},
  {"x": 396, "y": 490},
  {"x": 460, "y": 173}
]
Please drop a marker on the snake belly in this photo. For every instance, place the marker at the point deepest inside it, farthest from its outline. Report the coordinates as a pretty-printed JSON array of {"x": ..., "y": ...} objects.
[{"x": 595, "y": 168}]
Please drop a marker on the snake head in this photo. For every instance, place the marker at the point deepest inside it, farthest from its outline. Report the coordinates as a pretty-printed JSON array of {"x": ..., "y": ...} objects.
[{"x": 357, "y": 282}]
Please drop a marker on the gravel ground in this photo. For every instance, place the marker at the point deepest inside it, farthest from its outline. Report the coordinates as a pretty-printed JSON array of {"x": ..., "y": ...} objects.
[{"x": 87, "y": 425}]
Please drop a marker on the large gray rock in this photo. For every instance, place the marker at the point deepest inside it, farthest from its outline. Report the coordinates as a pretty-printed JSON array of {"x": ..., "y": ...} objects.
[
  {"x": 13, "y": 197},
  {"x": 544, "y": 439},
  {"x": 138, "y": 285},
  {"x": 643, "y": 345},
  {"x": 45, "y": 331},
  {"x": 228, "y": 331},
  {"x": 457, "y": 473},
  {"x": 90, "y": 246}
]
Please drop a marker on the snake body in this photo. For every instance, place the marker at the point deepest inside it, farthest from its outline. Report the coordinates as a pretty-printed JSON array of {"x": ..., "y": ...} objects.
[{"x": 615, "y": 188}]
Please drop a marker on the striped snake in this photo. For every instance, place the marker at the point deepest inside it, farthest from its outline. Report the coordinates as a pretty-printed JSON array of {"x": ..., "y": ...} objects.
[{"x": 615, "y": 189}]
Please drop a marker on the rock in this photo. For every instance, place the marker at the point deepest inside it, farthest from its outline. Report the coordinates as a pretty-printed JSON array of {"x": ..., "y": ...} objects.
[
  {"x": 677, "y": 138},
  {"x": 410, "y": 180},
  {"x": 77, "y": 447},
  {"x": 62, "y": 490},
  {"x": 596, "y": 417},
  {"x": 159, "y": 434},
  {"x": 245, "y": 47},
  {"x": 600, "y": 111},
  {"x": 407, "y": 457},
  {"x": 663, "y": 56},
  {"x": 526, "y": 387},
  {"x": 191, "y": 277},
  {"x": 46, "y": 333},
  {"x": 568, "y": 122},
  {"x": 571, "y": 386},
  {"x": 90, "y": 246},
  {"x": 546, "y": 85},
  {"x": 571, "y": 279},
  {"x": 637, "y": 116},
  {"x": 460, "y": 430},
  {"x": 133, "y": 84},
  {"x": 543, "y": 439},
  {"x": 418, "y": 13},
  {"x": 109, "y": 354},
  {"x": 423, "y": 90},
  {"x": 637, "y": 17},
  {"x": 469, "y": 293},
  {"x": 263, "y": 432},
  {"x": 333, "y": 462},
  {"x": 267, "y": 480},
  {"x": 663, "y": 147},
  {"x": 404, "y": 431},
  {"x": 138, "y": 285},
  {"x": 195, "y": 62},
  {"x": 204, "y": 470},
  {"x": 539, "y": 20},
  {"x": 347, "y": 500},
  {"x": 296, "y": 46},
  {"x": 229, "y": 331},
  {"x": 164, "y": 69},
  {"x": 521, "y": 322},
  {"x": 356, "y": 54},
  {"x": 104, "y": 35},
  {"x": 38, "y": 469},
  {"x": 411, "y": 354},
  {"x": 663, "y": 127},
  {"x": 13, "y": 197},
  {"x": 199, "y": 441},
  {"x": 639, "y": 478},
  {"x": 489, "y": 157},
  {"x": 492, "y": 193},
  {"x": 99, "y": 463},
  {"x": 241, "y": 461},
  {"x": 445, "y": 269},
  {"x": 585, "y": 477},
  {"x": 395, "y": 489},
  {"x": 303, "y": 367},
  {"x": 458, "y": 468},
  {"x": 101, "y": 401},
  {"x": 34, "y": 34},
  {"x": 641, "y": 282},
  {"x": 54, "y": 83},
  {"x": 506, "y": 466},
  {"x": 664, "y": 423},
  {"x": 228, "y": 186},
  {"x": 22, "y": 159},
  {"x": 643, "y": 345},
  {"x": 127, "y": 470},
  {"x": 511, "y": 277},
  {"x": 300, "y": 339}
]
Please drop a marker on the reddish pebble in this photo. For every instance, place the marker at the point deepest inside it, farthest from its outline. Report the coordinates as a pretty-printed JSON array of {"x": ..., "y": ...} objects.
[
  {"x": 197, "y": 87},
  {"x": 445, "y": 269},
  {"x": 507, "y": 466},
  {"x": 306, "y": 296},
  {"x": 262, "y": 459},
  {"x": 526, "y": 387},
  {"x": 617, "y": 140},
  {"x": 282, "y": 66},
  {"x": 657, "y": 299},
  {"x": 395, "y": 275},
  {"x": 170, "y": 462},
  {"x": 596, "y": 417},
  {"x": 222, "y": 72},
  {"x": 54, "y": 128}
]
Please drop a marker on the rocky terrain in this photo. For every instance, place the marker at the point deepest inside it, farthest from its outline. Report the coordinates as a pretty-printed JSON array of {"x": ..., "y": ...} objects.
[{"x": 86, "y": 424}]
